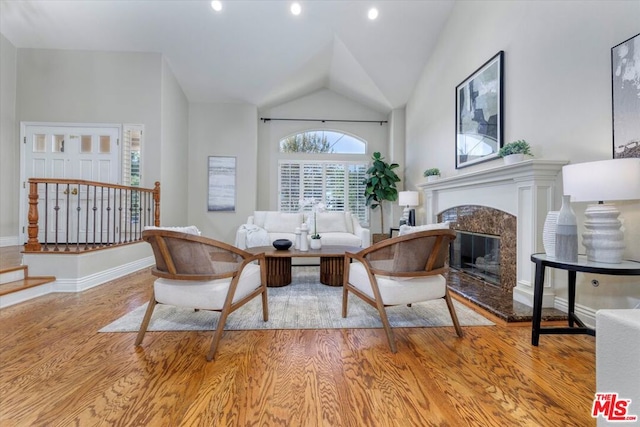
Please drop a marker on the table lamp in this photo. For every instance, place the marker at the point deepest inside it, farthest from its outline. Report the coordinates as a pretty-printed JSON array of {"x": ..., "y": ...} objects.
[
  {"x": 606, "y": 180},
  {"x": 408, "y": 199}
]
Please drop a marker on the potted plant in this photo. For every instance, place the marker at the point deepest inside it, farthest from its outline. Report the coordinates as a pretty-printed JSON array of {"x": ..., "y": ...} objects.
[
  {"x": 515, "y": 151},
  {"x": 432, "y": 174},
  {"x": 380, "y": 184},
  {"x": 316, "y": 207}
]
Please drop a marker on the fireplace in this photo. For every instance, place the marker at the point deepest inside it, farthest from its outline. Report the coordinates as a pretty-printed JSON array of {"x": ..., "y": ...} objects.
[
  {"x": 477, "y": 255},
  {"x": 507, "y": 201},
  {"x": 486, "y": 244}
]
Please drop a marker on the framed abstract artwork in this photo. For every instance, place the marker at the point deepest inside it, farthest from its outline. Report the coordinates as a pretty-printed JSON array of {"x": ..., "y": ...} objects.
[
  {"x": 479, "y": 114},
  {"x": 222, "y": 184},
  {"x": 625, "y": 94}
]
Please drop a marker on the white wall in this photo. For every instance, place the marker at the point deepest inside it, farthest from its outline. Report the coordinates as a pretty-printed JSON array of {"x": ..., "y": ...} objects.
[
  {"x": 9, "y": 146},
  {"x": 557, "y": 96},
  {"x": 174, "y": 151},
  {"x": 111, "y": 87},
  {"x": 323, "y": 104},
  {"x": 222, "y": 130}
]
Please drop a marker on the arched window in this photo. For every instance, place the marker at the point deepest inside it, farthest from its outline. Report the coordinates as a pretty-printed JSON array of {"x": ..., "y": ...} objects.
[{"x": 323, "y": 141}]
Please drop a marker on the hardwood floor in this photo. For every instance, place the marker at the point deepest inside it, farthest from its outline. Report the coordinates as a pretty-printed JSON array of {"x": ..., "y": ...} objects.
[{"x": 56, "y": 369}]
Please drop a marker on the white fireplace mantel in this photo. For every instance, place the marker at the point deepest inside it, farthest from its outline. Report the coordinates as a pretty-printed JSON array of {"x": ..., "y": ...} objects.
[{"x": 526, "y": 190}]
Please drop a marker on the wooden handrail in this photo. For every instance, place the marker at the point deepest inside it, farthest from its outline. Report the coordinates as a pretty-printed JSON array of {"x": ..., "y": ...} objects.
[{"x": 110, "y": 214}]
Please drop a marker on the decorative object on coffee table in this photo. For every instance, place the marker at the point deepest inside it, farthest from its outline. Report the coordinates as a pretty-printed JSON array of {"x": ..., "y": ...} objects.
[
  {"x": 315, "y": 243},
  {"x": 304, "y": 243},
  {"x": 282, "y": 244}
]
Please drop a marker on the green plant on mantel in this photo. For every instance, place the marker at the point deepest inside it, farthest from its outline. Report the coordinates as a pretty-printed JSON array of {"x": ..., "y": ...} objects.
[
  {"x": 432, "y": 172},
  {"x": 516, "y": 147},
  {"x": 380, "y": 184}
]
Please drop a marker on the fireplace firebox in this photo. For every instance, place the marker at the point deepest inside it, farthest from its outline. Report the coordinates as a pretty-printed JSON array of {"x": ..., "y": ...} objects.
[{"x": 478, "y": 255}]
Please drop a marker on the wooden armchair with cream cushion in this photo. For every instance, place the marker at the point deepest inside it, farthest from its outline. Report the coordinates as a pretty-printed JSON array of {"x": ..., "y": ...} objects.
[
  {"x": 201, "y": 273},
  {"x": 402, "y": 270}
]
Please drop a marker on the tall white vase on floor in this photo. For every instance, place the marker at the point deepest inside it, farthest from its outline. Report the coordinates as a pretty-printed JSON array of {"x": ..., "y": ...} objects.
[{"x": 567, "y": 233}]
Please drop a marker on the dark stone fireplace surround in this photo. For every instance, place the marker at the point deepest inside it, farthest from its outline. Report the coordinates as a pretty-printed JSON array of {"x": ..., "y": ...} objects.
[
  {"x": 481, "y": 219},
  {"x": 510, "y": 201}
]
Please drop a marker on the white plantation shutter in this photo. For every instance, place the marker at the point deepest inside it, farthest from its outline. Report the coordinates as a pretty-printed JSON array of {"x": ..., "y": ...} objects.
[
  {"x": 356, "y": 202},
  {"x": 126, "y": 157},
  {"x": 289, "y": 186},
  {"x": 339, "y": 185},
  {"x": 131, "y": 142},
  {"x": 312, "y": 181},
  {"x": 335, "y": 188}
]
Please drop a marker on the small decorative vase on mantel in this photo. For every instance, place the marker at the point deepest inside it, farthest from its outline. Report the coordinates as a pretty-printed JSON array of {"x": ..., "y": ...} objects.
[
  {"x": 316, "y": 243},
  {"x": 566, "y": 232},
  {"x": 513, "y": 158}
]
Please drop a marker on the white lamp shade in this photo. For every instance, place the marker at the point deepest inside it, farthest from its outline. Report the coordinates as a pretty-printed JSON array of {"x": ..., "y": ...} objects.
[
  {"x": 606, "y": 180},
  {"x": 408, "y": 198}
]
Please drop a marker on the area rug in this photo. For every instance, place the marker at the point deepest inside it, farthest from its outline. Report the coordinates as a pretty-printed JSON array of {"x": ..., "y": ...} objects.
[{"x": 304, "y": 304}]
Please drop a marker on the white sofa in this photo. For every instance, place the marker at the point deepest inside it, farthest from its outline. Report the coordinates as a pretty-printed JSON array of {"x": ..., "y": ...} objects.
[{"x": 335, "y": 228}]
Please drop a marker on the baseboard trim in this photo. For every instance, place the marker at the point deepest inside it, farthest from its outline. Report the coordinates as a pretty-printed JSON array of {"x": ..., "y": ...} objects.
[
  {"x": 9, "y": 241},
  {"x": 87, "y": 282},
  {"x": 75, "y": 285},
  {"x": 586, "y": 314}
]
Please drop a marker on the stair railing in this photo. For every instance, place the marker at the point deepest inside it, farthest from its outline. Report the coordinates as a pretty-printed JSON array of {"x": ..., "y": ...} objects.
[{"x": 72, "y": 215}]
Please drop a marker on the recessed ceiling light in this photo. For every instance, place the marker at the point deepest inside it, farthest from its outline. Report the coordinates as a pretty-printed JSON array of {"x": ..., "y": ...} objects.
[
  {"x": 216, "y": 5},
  {"x": 373, "y": 13},
  {"x": 296, "y": 8}
]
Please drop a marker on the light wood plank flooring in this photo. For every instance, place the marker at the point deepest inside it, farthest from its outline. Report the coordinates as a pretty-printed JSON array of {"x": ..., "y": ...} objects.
[{"x": 57, "y": 370}]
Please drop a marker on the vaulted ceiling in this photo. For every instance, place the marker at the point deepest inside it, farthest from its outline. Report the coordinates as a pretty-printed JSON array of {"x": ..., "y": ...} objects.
[{"x": 251, "y": 51}]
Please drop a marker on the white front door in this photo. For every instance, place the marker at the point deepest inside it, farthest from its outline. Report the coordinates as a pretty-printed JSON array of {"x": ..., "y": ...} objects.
[{"x": 84, "y": 152}]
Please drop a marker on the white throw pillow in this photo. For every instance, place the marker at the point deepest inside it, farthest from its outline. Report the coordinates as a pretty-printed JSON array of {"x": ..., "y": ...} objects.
[
  {"x": 406, "y": 229},
  {"x": 349, "y": 220},
  {"x": 282, "y": 222},
  {"x": 190, "y": 229},
  {"x": 329, "y": 222},
  {"x": 259, "y": 217}
]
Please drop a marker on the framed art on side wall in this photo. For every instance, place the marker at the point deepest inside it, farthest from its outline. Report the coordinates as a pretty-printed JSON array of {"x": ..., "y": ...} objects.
[
  {"x": 479, "y": 114},
  {"x": 625, "y": 94},
  {"x": 222, "y": 184}
]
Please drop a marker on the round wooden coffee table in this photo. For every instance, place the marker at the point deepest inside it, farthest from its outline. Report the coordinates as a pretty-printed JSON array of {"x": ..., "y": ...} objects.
[{"x": 278, "y": 263}]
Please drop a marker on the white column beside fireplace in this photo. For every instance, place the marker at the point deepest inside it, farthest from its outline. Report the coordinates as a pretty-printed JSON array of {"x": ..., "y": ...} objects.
[{"x": 526, "y": 190}]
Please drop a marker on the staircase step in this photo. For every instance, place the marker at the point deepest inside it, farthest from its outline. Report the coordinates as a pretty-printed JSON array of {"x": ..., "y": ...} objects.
[
  {"x": 12, "y": 274},
  {"x": 19, "y": 285}
]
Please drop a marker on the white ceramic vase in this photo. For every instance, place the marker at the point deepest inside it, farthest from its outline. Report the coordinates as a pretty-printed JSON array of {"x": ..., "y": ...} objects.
[
  {"x": 513, "y": 158},
  {"x": 566, "y": 233},
  {"x": 316, "y": 244},
  {"x": 549, "y": 233},
  {"x": 304, "y": 243}
]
